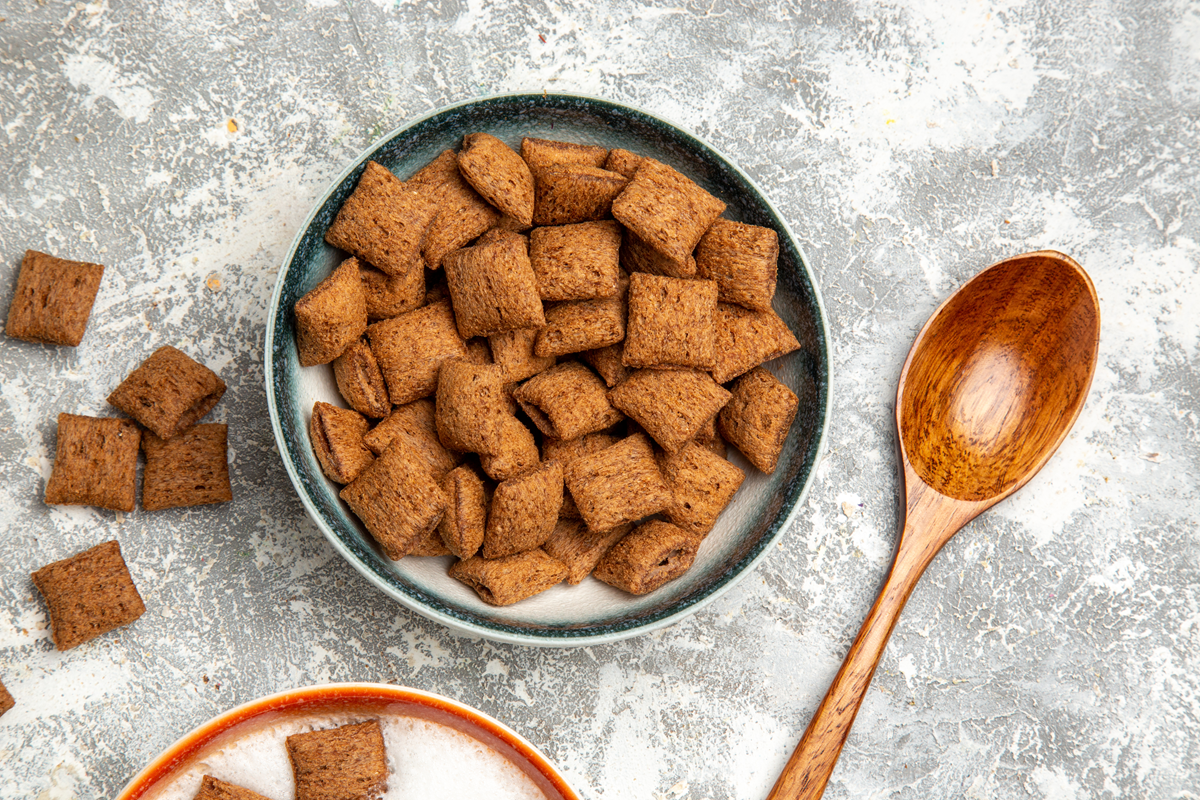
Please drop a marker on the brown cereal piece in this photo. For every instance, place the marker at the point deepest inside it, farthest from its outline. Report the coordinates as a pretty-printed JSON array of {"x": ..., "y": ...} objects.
[
  {"x": 215, "y": 789},
  {"x": 666, "y": 210},
  {"x": 360, "y": 381},
  {"x": 580, "y": 326},
  {"x": 672, "y": 322},
  {"x": 567, "y": 451},
  {"x": 95, "y": 463},
  {"x": 618, "y": 484},
  {"x": 524, "y": 511},
  {"x": 470, "y": 407},
  {"x": 579, "y": 548},
  {"x": 671, "y": 404},
  {"x": 53, "y": 300},
  {"x": 496, "y": 171},
  {"x": 576, "y": 262},
  {"x": 389, "y": 296},
  {"x": 462, "y": 215},
  {"x": 337, "y": 441},
  {"x": 429, "y": 544},
  {"x": 609, "y": 362},
  {"x": 397, "y": 499},
  {"x": 493, "y": 287},
  {"x": 6, "y": 699},
  {"x": 331, "y": 316},
  {"x": 513, "y": 352},
  {"x": 344, "y": 763},
  {"x": 637, "y": 256},
  {"x": 168, "y": 393},
  {"x": 650, "y": 556},
  {"x": 504, "y": 581},
  {"x": 747, "y": 338},
  {"x": 463, "y": 524},
  {"x": 383, "y": 222},
  {"x": 743, "y": 260},
  {"x": 567, "y": 401},
  {"x": 569, "y": 194},
  {"x": 191, "y": 469},
  {"x": 702, "y": 484},
  {"x": 623, "y": 162},
  {"x": 540, "y": 154},
  {"x": 88, "y": 595},
  {"x": 757, "y": 419},
  {"x": 410, "y": 349},
  {"x": 517, "y": 454},
  {"x": 414, "y": 424}
]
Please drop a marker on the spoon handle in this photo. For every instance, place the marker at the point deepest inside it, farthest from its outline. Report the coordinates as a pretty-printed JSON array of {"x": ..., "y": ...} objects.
[{"x": 812, "y": 762}]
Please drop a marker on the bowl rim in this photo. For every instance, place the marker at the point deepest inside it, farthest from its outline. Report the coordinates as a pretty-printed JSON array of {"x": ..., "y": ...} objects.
[
  {"x": 549, "y": 638},
  {"x": 204, "y": 733}
]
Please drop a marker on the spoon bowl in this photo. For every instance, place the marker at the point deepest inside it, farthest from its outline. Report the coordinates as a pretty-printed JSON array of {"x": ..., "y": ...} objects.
[{"x": 991, "y": 387}]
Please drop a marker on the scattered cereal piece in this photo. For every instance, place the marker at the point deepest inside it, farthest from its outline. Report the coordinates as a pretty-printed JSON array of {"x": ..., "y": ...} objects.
[
  {"x": 666, "y": 210},
  {"x": 214, "y": 789},
  {"x": 619, "y": 484},
  {"x": 582, "y": 325},
  {"x": 747, "y": 338},
  {"x": 331, "y": 316},
  {"x": 337, "y": 440},
  {"x": 743, "y": 260},
  {"x": 410, "y": 349},
  {"x": 190, "y": 469},
  {"x": 95, "y": 463},
  {"x": 493, "y": 288},
  {"x": 672, "y": 322},
  {"x": 168, "y": 393},
  {"x": 702, "y": 484},
  {"x": 524, "y": 511},
  {"x": 568, "y": 194},
  {"x": 383, "y": 222},
  {"x": 53, "y": 300},
  {"x": 650, "y": 556},
  {"x": 567, "y": 401},
  {"x": 496, "y": 171},
  {"x": 389, "y": 296},
  {"x": 463, "y": 524},
  {"x": 513, "y": 352},
  {"x": 576, "y": 262},
  {"x": 414, "y": 423},
  {"x": 6, "y": 699},
  {"x": 344, "y": 763},
  {"x": 88, "y": 594},
  {"x": 360, "y": 382},
  {"x": 504, "y": 581},
  {"x": 671, "y": 404},
  {"x": 579, "y": 548},
  {"x": 397, "y": 499},
  {"x": 756, "y": 421}
]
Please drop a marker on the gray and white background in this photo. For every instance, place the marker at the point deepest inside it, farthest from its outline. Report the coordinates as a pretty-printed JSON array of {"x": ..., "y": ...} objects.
[{"x": 1053, "y": 649}]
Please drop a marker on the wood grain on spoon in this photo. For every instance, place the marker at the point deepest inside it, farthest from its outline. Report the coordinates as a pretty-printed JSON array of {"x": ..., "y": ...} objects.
[{"x": 991, "y": 387}]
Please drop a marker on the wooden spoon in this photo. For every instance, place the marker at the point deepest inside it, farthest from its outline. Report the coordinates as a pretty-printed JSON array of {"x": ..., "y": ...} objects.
[{"x": 991, "y": 387}]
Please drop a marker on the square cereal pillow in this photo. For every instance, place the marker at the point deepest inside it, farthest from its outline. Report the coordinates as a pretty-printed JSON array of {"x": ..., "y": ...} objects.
[
  {"x": 88, "y": 595},
  {"x": 647, "y": 558},
  {"x": 397, "y": 499},
  {"x": 758, "y": 417},
  {"x": 95, "y": 463},
  {"x": 410, "y": 350},
  {"x": 493, "y": 287},
  {"x": 344, "y": 763},
  {"x": 331, "y": 316},
  {"x": 743, "y": 260},
  {"x": 338, "y": 442},
  {"x": 576, "y": 262},
  {"x": 747, "y": 338},
  {"x": 168, "y": 393},
  {"x": 190, "y": 469},
  {"x": 500, "y": 175},
  {"x": 672, "y": 322},
  {"x": 462, "y": 215},
  {"x": 567, "y": 401},
  {"x": 53, "y": 300},
  {"x": 666, "y": 210},
  {"x": 383, "y": 222},
  {"x": 671, "y": 404},
  {"x": 504, "y": 581},
  {"x": 618, "y": 484},
  {"x": 524, "y": 511}
]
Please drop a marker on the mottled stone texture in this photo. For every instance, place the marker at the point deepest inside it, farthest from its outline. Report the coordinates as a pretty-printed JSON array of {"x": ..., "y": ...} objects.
[{"x": 1053, "y": 648}]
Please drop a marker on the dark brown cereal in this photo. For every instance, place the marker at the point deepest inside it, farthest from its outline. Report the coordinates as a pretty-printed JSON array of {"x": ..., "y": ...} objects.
[
  {"x": 53, "y": 300},
  {"x": 666, "y": 210},
  {"x": 168, "y": 393},
  {"x": 576, "y": 262},
  {"x": 747, "y": 338},
  {"x": 609, "y": 362},
  {"x": 463, "y": 524},
  {"x": 88, "y": 595},
  {"x": 579, "y": 548},
  {"x": 542, "y": 153},
  {"x": 517, "y": 455},
  {"x": 493, "y": 287},
  {"x": 504, "y": 581},
  {"x": 6, "y": 699},
  {"x": 337, "y": 440},
  {"x": 190, "y": 469},
  {"x": 383, "y": 222},
  {"x": 671, "y": 404},
  {"x": 743, "y": 260},
  {"x": 410, "y": 349},
  {"x": 462, "y": 215},
  {"x": 214, "y": 789},
  {"x": 567, "y": 401},
  {"x": 95, "y": 463},
  {"x": 574, "y": 194},
  {"x": 360, "y": 382},
  {"x": 623, "y": 162},
  {"x": 513, "y": 352},
  {"x": 470, "y": 406},
  {"x": 567, "y": 451},
  {"x": 672, "y": 322},
  {"x": 581, "y": 325},
  {"x": 524, "y": 511},
  {"x": 496, "y": 171},
  {"x": 397, "y": 499},
  {"x": 389, "y": 296},
  {"x": 757, "y": 419},
  {"x": 637, "y": 256},
  {"x": 647, "y": 558},
  {"x": 344, "y": 763},
  {"x": 702, "y": 484},
  {"x": 618, "y": 484}
]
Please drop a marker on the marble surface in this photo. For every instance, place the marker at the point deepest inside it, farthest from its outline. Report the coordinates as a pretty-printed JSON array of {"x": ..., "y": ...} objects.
[{"x": 1053, "y": 649}]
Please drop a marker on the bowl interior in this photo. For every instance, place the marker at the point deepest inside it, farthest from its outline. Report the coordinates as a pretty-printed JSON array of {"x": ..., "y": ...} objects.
[{"x": 590, "y": 612}]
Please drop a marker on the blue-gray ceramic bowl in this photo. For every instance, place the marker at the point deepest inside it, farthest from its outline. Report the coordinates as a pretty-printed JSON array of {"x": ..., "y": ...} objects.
[{"x": 592, "y": 612}]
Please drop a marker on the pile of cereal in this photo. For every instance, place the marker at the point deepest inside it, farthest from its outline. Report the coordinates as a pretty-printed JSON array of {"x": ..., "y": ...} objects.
[{"x": 544, "y": 355}]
